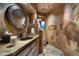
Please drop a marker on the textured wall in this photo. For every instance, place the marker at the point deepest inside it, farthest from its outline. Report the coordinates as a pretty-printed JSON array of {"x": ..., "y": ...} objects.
[
  {"x": 66, "y": 41},
  {"x": 2, "y": 24}
]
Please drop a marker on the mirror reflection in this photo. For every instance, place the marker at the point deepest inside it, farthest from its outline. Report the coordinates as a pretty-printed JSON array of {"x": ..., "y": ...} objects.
[{"x": 16, "y": 16}]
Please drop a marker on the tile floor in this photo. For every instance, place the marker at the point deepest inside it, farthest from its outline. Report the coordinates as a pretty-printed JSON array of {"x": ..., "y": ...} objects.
[{"x": 51, "y": 51}]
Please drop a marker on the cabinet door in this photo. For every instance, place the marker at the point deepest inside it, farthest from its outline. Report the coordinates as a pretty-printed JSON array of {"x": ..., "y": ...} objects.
[{"x": 33, "y": 52}]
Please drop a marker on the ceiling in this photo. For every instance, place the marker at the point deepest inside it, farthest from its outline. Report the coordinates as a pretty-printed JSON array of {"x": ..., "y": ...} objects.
[{"x": 43, "y": 8}]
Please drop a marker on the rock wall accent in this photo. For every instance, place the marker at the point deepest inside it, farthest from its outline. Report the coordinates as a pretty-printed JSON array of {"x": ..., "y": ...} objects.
[{"x": 65, "y": 36}]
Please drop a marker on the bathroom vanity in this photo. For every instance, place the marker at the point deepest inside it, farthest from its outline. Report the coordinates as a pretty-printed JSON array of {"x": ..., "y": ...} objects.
[{"x": 28, "y": 47}]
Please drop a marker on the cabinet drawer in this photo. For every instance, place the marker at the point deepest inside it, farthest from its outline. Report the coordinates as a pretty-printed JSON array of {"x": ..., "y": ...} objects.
[
  {"x": 24, "y": 52},
  {"x": 33, "y": 44}
]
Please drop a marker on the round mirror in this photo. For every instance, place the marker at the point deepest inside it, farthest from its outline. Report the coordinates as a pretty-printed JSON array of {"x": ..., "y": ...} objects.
[{"x": 16, "y": 18}]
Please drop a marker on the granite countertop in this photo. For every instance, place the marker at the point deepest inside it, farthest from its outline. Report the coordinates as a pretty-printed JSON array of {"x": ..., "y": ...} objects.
[{"x": 19, "y": 44}]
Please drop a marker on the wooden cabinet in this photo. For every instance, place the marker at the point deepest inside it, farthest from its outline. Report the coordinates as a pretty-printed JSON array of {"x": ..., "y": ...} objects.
[
  {"x": 31, "y": 50},
  {"x": 28, "y": 47}
]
